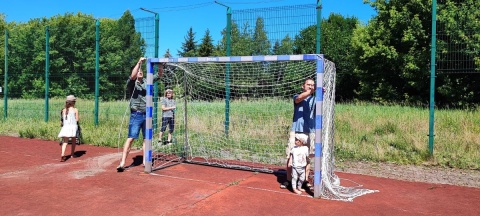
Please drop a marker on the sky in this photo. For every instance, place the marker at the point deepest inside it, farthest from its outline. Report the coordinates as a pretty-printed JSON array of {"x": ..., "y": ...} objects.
[{"x": 176, "y": 16}]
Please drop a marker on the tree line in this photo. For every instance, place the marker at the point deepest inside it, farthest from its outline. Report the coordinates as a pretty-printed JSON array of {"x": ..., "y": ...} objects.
[
  {"x": 72, "y": 39},
  {"x": 386, "y": 60}
]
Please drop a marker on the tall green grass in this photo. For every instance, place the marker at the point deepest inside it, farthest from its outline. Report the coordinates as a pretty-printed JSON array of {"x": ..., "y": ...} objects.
[
  {"x": 399, "y": 134},
  {"x": 363, "y": 131}
]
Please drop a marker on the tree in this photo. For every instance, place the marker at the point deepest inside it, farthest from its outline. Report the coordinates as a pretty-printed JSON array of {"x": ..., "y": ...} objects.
[
  {"x": 26, "y": 59},
  {"x": 189, "y": 47},
  {"x": 305, "y": 41},
  {"x": 276, "y": 48},
  {"x": 240, "y": 42},
  {"x": 206, "y": 47},
  {"x": 167, "y": 54},
  {"x": 120, "y": 48},
  {"x": 261, "y": 44},
  {"x": 285, "y": 47},
  {"x": 72, "y": 56},
  {"x": 132, "y": 42},
  {"x": 337, "y": 32},
  {"x": 336, "y": 46},
  {"x": 392, "y": 52},
  {"x": 458, "y": 53}
]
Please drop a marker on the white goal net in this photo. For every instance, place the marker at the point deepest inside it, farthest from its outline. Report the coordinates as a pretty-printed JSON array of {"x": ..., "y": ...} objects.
[{"x": 236, "y": 112}]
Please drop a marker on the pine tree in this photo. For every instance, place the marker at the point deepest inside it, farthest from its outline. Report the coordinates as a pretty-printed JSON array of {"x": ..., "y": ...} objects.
[
  {"x": 276, "y": 48},
  {"x": 189, "y": 46},
  {"x": 206, "y": 47},
  {"x": 167, "y": 54},
  {"x": 261, "y": 44}
]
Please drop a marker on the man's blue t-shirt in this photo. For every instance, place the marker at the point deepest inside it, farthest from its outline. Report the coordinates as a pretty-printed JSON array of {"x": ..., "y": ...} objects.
[{"x": 304, "y": 115}]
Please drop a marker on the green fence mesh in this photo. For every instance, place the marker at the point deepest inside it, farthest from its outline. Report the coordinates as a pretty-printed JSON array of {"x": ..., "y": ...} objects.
[
  {"x": 269, "y": 30},
  {"x": 146, "y": 27},
  {"x": 458, "y": 38}
]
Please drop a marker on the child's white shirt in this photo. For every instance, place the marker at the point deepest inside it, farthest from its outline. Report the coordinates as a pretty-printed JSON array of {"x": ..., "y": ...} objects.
[{"x": 299, "y": 156}]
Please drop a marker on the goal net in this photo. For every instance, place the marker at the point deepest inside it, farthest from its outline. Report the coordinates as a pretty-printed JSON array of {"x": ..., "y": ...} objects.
[{"x": 236, "y": 112}]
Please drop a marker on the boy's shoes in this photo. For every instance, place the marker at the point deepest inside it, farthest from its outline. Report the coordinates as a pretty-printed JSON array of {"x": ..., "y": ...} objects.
[{"x": 120, "y": 168}]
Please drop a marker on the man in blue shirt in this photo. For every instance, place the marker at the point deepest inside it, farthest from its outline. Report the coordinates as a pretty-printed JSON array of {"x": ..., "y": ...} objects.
[{"x": 303, "y": 123}]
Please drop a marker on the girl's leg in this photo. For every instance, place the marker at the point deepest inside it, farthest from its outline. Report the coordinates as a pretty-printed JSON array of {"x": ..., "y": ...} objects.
[
  {"x": 64, "y": 147},
  {"x": 74, "y": 143}
]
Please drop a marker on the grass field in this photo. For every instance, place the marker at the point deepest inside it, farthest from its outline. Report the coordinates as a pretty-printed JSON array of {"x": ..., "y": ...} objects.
[{"x": 396, "y": 134}]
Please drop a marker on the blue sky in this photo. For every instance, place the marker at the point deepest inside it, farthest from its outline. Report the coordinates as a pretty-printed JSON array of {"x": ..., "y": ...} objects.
[{"x": 176, "y": 16}]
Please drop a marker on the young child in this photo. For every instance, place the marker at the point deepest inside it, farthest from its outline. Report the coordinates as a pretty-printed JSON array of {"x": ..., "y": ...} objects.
[
  {"x": 69, "y": 127},
  {"x": 168, "y": 116},
  {"x": 299, "y": 158}
]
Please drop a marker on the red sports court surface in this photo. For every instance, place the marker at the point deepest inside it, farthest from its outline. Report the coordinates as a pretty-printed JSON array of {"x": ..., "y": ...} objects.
[{"x": 34, "y": 182}]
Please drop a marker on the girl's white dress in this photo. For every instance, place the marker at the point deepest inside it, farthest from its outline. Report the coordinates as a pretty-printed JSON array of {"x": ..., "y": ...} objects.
[{"x": 70, "y": 127}]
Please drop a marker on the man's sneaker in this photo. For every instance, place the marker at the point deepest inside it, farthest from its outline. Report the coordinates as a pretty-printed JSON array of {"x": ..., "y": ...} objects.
[{"x": 120, "y": 168}]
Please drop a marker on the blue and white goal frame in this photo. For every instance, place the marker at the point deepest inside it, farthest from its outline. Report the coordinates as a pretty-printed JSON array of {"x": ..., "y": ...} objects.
[{"x": 227, "y": 59}]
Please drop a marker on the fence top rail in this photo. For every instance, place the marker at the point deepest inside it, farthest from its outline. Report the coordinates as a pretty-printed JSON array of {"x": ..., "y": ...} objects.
[{"x": 303, "y": 57}]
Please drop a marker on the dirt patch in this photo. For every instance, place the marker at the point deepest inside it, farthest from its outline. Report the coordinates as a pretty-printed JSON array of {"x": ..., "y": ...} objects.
[{"x": 430, "y": 174}]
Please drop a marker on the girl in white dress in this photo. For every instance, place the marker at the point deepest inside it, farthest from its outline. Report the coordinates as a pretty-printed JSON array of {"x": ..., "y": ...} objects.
[{"x": 69, "y": 127}]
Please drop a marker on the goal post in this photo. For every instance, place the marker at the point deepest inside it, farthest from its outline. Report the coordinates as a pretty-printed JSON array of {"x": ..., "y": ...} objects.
[{"x": 236, "y": 112}]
